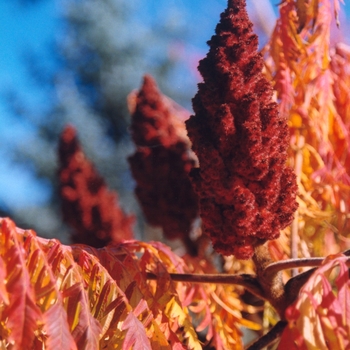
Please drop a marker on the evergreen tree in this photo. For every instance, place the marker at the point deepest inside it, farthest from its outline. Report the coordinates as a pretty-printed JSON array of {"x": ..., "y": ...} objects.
[{"x": 103, "y": 51}]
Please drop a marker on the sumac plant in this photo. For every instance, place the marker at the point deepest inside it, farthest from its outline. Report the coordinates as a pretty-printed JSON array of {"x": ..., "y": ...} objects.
[{"x": 255, "y": 185}]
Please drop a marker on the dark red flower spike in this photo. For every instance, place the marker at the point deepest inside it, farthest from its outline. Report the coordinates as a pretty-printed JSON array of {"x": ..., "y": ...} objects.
[
  {"x": 87, "y": 204},
  {"x": 161, "y": 164},
  {"x": 247, "y": 193}
]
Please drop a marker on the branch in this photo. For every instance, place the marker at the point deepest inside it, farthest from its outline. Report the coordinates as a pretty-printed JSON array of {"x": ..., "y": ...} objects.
[
  {"x": 293, "y": 286},
  {"x": 270, "y": 337},
  {"x": 247, "y": 281},
  {"x": 292, "y": 263},
  {"x": 271, "y": 283},
  {"x": 347, "y": 252}
]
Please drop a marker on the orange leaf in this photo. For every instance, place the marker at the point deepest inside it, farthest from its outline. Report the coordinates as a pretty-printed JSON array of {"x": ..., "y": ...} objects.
[
  {"x": 135, "y": 330},
  {"x": 56, "y": 327},
  {"x": 22, "y": 315},
  {"x": 320, "y": 318}
]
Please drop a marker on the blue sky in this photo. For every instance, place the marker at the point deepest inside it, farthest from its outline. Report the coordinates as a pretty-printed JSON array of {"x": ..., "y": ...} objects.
[
  {"x": 24, "y": 28},
  {"x": 21, "y": 28},
  {"x": 33, "y": 28}
]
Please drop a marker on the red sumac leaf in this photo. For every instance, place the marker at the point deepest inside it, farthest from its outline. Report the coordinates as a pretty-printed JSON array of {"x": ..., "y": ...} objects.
[
  {"x": 320, "y": 318},
  {"x": 59, "y": 336},
  {"x": 22, "y": 314},
  {"x": 135, "y": 330}
]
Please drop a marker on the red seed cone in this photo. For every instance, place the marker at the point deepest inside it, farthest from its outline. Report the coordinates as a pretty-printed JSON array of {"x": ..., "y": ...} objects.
[
  {"x": 247, "y": 194},
  {"x": 87, "y": 204},
  {"x": 161, "y": 164}
]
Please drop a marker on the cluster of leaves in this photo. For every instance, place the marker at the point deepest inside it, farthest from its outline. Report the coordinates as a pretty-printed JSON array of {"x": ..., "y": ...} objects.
[
  {"x": 132, "y": 294},
  {"x": 79, "y": 297},
  {"x": 319, "y": 319},
  {"x": 311, "y": 79}
]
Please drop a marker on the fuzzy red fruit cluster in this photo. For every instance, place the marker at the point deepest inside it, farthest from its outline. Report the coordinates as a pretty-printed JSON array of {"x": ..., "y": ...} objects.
[
  {"x": 247, "y": 193},
  {"x": 87, "y": 204},
  {"x": 161, "y": 164}
]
